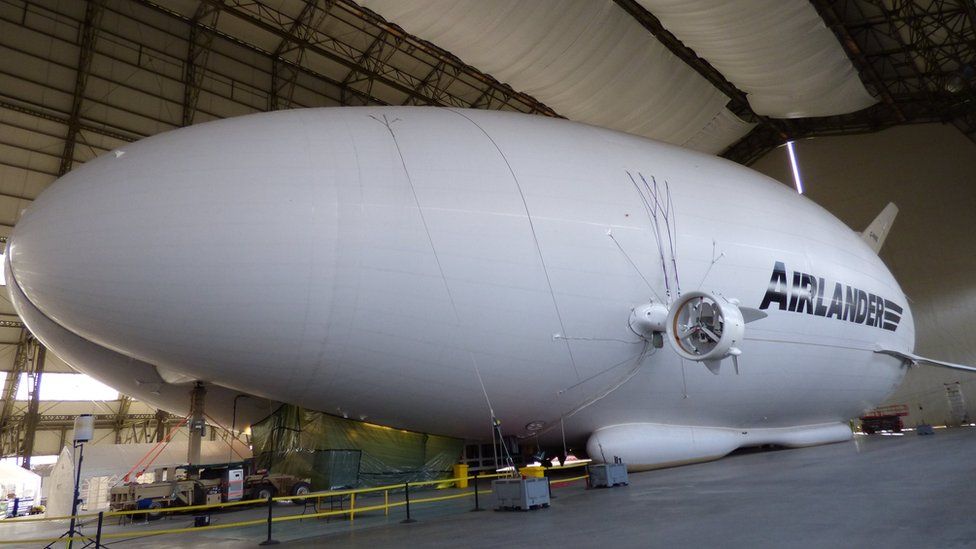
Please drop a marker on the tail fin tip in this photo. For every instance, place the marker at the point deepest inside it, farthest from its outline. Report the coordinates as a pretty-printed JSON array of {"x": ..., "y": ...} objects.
[{"x": 878, "y": 230}]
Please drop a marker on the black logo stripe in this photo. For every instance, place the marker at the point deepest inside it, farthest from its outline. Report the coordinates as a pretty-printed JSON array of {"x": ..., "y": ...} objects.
[{"x": 814, "y": 296}]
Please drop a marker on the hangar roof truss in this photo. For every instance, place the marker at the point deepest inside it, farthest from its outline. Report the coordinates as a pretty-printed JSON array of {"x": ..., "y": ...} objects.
[{"x": 918, "y": 57}]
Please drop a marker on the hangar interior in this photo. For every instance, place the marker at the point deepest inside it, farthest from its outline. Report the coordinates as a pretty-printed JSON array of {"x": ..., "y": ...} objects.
[{"x": 878, "y": 96}]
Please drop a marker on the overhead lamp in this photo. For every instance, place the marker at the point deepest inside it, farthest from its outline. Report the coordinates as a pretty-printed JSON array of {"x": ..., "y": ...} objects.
[{"x": 796, "y": 169}]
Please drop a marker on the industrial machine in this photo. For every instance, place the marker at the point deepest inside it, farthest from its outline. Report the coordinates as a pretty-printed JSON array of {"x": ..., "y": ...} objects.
[
  {"x": 884, "y": 418},
  {"x": 186, "y": 486}
]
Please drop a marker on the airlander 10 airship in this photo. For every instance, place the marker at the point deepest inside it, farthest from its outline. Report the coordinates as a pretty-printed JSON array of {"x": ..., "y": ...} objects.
[{"x": 432, "y": 269}]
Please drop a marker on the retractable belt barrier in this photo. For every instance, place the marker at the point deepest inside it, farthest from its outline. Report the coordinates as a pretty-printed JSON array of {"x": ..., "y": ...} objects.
[{"x": 351, "y": 511}]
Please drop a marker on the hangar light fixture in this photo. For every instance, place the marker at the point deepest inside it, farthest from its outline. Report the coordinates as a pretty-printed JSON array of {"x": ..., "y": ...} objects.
[{"x": 796, "y": 170}]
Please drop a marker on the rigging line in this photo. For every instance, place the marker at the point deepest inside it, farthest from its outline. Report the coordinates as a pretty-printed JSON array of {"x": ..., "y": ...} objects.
[
  {"x": 658, "y": 209},
  {"x": 535, "y": 236},
  {"x": 430, "y": 240},
  {"x": 477, "y": 371},
  {"x": 630, "y": 375},
  {"x": 649, "y": 287},
  {"x": 509, "y": 462},
  {"x": 562, "y": 427},
  {"x": 605, "y": 370},
  {"x": 672, "y": 238},
  {"x": 653, "y": 212},
  {"x": 580, "y": 338},
  {"x": 641, "y": 356},
  {"x": 494, "y": 447},
  {"x": 666, "y": 206},
  {"x": 652, "y": 215},
  {"x": 710, "y": 265},
  {"x": 684, "y": 380}
]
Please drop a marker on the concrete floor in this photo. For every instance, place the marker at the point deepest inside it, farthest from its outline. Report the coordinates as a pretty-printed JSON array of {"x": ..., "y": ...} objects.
[{"x": 878, "y": 491}]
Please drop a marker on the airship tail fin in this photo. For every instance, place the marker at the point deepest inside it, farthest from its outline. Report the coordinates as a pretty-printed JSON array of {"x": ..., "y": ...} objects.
[
  {"x": 915, "y": 360},
  {"x": 877, "y": 231}
]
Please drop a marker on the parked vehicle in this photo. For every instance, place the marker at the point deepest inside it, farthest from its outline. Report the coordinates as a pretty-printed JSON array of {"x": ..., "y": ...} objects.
[{"x": 204, "y": 486}]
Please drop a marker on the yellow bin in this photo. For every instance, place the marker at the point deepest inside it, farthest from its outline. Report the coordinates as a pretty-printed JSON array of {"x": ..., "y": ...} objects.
[
  {"x": 532, "y": 471},
  {"x": 461, "y": 472}
]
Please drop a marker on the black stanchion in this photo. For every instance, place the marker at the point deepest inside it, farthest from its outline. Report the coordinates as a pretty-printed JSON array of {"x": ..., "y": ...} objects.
[
  {"x": 477, "y": 506},
  {"x": 70, "y": 534},
  {"x": 269, "y": 541},
  {"x": 406, "y": 492},
  {"x": 98, "y": 531}
]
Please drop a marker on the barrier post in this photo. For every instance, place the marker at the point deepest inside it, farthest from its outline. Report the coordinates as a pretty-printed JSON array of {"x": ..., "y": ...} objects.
[
  {"x": 406, "y": 491},
  {"x": 269, "y": 541},
  {"x": 461, "y": 474},
  {"x": 352, "y": 507},
  {"x": 386, "y": 503},
  {"x": 477, "y": 506},
  {"x": 98, "y": 532}
]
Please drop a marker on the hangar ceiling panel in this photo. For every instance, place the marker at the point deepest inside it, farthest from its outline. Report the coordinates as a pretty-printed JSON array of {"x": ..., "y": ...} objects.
[
  {"x": 590, "y": 61},
  {"x": 777, "y": 51}
]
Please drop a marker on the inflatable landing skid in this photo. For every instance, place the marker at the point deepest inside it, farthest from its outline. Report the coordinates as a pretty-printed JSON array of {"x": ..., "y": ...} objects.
[{"x": 644, "y": 446}]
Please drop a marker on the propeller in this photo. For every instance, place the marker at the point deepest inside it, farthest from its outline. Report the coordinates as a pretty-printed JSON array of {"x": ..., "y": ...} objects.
[{"x": 708, "y": 328}]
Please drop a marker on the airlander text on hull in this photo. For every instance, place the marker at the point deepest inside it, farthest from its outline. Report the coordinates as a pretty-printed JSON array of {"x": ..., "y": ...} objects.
[{"x": 806, "y": 295}]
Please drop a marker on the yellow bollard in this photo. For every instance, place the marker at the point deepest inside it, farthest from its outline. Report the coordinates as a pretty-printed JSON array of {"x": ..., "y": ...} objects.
[
  {"x": 386, "y": 503},
  {"x": 461, "y": 473},
  {"x": 352, "y": 507}
]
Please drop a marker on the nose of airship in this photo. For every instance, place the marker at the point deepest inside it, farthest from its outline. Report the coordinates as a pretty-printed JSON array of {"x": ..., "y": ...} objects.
[{"x": 211, "y": 229}]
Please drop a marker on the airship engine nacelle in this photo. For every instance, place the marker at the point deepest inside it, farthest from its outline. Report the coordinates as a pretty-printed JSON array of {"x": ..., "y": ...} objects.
[
  {"x": 706, "y": 327},
  {"x": 701, "y": 326},
  {"x": 650, "y": 322}
]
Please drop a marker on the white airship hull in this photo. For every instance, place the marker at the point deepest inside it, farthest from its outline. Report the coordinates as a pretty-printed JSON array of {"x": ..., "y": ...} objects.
[{"x": 409, "y": 266}]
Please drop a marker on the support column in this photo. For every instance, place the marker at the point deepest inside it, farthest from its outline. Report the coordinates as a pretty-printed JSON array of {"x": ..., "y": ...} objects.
[
  {"x": 10, "y": 445},
  {"x": 197, "y": 396},
  {"x": 33, "y": 416},
  {"x": 118, "y": 423},
  {"x": 161, "y": 417}
]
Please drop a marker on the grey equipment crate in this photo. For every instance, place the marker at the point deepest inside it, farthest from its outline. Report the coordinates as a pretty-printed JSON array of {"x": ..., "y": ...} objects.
[
  {"x": 605, "y": 475},
  {"x": 520, "y": 493}
]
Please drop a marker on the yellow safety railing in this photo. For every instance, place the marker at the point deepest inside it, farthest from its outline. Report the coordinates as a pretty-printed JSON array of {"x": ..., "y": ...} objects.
[
  {"x": 180, "y": 508},
  {"x": 351, "y": 511},
  {"x": 45, "y": 519},
  {"x": 568, "y": 480}
]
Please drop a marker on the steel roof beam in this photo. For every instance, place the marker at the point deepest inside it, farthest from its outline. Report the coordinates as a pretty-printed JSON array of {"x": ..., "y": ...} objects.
[
  {"x": 197, "y": 52},
  {"x": 45, "y": 113},
  {"x": 247, "y": 45},
  {"x": 884, "y": 41},
  {"x": 486, "y": 84},
  {"x": 86, "y": 50},
  {"x": 738, "y": 104},
  {"x": 346, "y": 55},
  {"x": 284, "y": 76},
  {"x": 867, "y": 72}
]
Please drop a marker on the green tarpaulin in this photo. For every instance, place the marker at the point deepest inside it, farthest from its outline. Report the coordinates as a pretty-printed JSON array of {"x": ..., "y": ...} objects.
[{"x": 337, "y": 452}]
